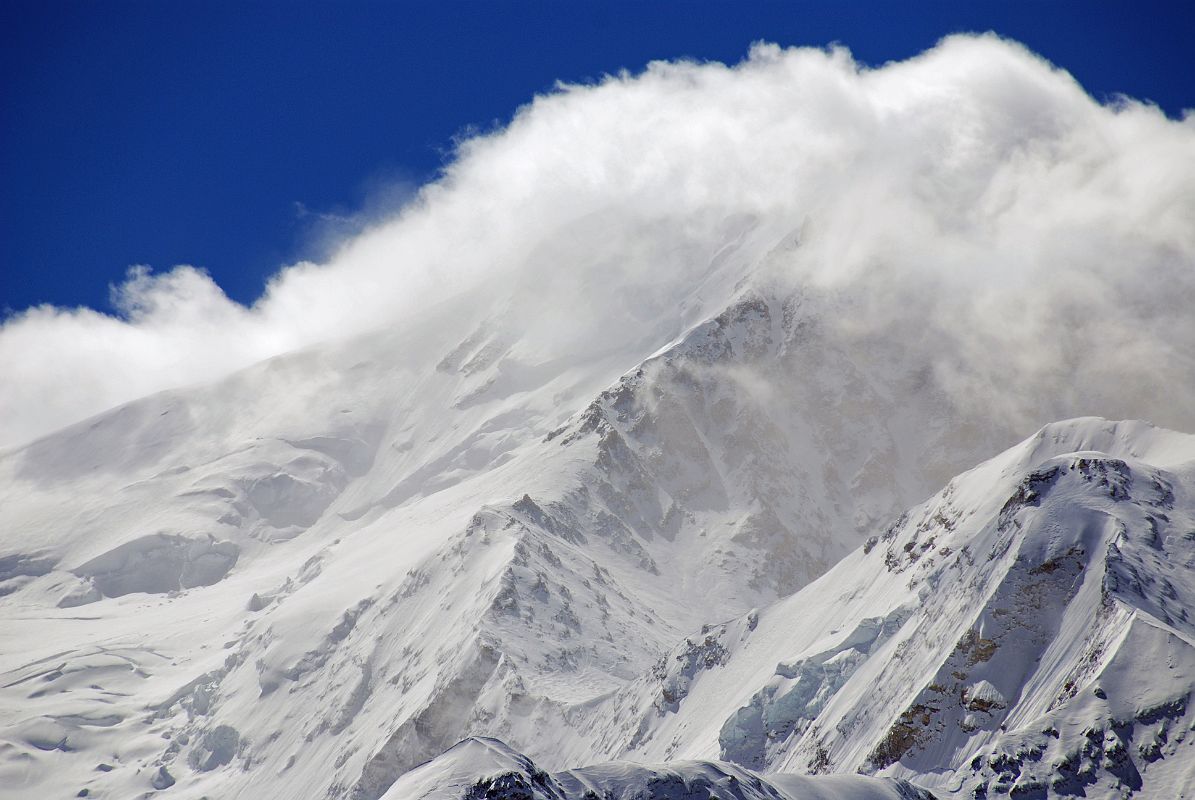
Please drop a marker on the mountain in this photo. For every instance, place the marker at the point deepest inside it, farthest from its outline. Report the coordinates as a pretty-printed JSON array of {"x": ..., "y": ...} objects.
[
  {"x": 311, "y": 577},
  {"x": 1026, "y": 631},
  {"x": 614, "y": 444},
  {"x": 486, "y": 768}
]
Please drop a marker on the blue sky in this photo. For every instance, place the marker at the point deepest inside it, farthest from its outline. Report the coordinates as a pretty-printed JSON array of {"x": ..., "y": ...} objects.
[{"x": 227, "y": 135}]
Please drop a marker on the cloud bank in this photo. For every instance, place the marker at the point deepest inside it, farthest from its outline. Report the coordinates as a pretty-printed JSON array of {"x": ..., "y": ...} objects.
[{"x": 1035, "y": 247}]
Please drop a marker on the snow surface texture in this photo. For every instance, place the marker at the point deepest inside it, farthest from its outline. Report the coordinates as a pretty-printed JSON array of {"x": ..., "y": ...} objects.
[
  {"x": 486, "y": 768},
  {"x": 1026, "y": 630},
  {"x": 244, "y": 606},
  {"x": 646, "y": 513},
  {"x": 343, "y": 590}
]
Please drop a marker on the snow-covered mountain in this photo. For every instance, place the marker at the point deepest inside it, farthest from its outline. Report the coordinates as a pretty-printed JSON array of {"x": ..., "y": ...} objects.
[
  {"x": 614, "y": 446},
  {"x": 1026, "y": 630},
  {"x": 360, "y": 573},
  {"x": 229, "y": 591},
  {"x": 486, "y": 768}
]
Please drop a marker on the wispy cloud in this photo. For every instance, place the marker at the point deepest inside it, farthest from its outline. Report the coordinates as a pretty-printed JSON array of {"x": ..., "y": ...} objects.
[{"x": 1035, "y": 247}]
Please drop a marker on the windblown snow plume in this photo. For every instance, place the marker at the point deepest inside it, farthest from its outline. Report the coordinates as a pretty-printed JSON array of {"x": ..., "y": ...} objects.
[
  {"x": 615, "y": 446},
  {"x": 1032, "y": 248}
]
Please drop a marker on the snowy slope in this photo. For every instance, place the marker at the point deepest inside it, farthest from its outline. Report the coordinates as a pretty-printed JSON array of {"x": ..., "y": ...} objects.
[
  {"x": 1027, "y": 629},
  {"x": 477, "y": 768},
  {"x": 334, "y": 565},
  {"x": 280, "y": 584}
]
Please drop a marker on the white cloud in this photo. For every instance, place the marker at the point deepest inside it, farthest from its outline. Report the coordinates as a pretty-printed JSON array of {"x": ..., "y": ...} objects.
[{"x": 1036, "y": 247}]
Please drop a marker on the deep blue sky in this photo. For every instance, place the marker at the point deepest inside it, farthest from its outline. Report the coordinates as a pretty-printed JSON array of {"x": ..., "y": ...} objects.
[{"x": 193, "y": 132}]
